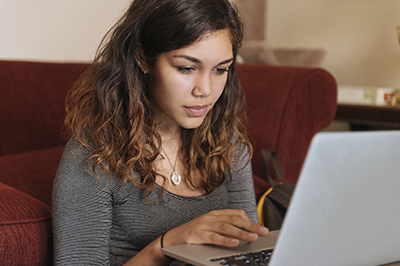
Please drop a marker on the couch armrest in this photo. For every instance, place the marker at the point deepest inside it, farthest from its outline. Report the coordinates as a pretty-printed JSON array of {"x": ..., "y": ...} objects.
[
  {"x": 286, "y": 107},
  {"x": 25, "y": 229}
]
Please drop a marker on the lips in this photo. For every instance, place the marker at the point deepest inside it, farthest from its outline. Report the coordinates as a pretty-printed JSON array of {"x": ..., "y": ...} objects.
[{"x": 196, "y": 111}]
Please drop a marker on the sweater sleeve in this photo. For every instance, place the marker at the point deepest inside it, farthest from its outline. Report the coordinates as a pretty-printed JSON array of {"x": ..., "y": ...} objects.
[
  {"x": 241, "y": 188},
  {"x": 82, "y": 210}
]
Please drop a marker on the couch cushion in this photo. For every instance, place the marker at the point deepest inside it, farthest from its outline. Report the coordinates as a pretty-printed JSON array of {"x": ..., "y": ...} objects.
[
  {"x": 25, "y": 229},
  {"x": 31, "y": 172}
]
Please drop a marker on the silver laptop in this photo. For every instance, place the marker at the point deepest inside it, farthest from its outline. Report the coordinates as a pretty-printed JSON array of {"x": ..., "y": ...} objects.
[{"x": 345, "y": 209}]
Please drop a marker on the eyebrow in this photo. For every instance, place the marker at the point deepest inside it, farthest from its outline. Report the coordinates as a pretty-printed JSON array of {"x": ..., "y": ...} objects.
[{"x": 195, "y": 60}]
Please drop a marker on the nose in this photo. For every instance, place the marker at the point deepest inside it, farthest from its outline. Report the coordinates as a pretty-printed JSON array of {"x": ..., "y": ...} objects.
[{"x": 203, "y": 86}]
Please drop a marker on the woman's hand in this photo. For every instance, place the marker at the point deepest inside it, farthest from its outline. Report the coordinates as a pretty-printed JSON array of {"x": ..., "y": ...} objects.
[{"x": 222, "y": 227}]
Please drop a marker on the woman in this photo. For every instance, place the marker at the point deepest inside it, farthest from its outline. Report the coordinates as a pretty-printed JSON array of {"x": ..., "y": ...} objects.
[{"x": 158, "y": 155}]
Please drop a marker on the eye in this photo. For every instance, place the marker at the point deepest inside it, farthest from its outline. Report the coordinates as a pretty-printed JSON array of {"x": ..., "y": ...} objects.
[
  {"x": 186, "y": 70},
  {"x": 220, "y": 70}
]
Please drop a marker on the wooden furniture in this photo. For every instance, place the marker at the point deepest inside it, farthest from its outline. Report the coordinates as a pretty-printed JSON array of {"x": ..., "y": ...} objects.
[{"x": 369, "y": 116}]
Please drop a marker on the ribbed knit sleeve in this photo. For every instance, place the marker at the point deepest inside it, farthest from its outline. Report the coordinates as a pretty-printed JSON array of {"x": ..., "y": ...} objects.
[
  {"x": 241, "y": 188},
  {"x": 81, "y": 212}
]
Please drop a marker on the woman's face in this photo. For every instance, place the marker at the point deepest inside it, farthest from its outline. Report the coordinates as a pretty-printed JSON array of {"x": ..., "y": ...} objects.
[{"x": 185, "y": 83}]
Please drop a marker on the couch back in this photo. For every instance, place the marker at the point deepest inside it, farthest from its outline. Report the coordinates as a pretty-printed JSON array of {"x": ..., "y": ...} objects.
[
  {"x": 286, "y": 107},
  {"x": 32, "y": 100}
]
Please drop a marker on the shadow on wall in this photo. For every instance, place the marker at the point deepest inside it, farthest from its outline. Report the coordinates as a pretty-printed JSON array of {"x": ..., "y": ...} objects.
[{"x": 256, "y": 49}]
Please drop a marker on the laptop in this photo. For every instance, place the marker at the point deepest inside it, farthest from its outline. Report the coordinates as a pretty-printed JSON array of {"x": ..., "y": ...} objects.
[{"x": 345, "y": 209}]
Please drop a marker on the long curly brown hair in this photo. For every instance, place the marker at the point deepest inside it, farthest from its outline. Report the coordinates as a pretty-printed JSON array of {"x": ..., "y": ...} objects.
[{"x": 110, "y": 112}]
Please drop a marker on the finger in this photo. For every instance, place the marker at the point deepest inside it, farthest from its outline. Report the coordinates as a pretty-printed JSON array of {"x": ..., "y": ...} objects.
[
  {"x": 239, "y": 219},
  {"x": 246, "y": 224},
  {"x": 229, "y": 230},
  {"x": 257, "y": 229},
  {"x": 221, "y": 240}
]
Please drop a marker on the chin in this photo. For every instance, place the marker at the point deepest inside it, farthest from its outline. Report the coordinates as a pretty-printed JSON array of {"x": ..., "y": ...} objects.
[{"x": 193, "y": 123}]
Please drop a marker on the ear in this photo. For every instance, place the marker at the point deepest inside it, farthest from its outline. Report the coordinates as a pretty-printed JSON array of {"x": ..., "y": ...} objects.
[{"x": 140, "y": 59}]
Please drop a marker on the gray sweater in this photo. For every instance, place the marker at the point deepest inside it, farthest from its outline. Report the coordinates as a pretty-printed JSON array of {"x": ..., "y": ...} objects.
[{"x": 96, "y": 224}]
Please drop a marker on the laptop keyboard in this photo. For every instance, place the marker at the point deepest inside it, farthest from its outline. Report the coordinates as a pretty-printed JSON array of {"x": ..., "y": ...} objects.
[{"x": 253, "y": 258}]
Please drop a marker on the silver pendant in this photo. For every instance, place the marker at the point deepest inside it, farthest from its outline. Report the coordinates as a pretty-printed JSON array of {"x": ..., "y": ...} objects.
[{"x": 176, "y": 178}]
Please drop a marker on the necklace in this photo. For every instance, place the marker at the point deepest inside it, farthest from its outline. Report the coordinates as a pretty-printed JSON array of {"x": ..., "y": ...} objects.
[{"x": 175, "y": 177}]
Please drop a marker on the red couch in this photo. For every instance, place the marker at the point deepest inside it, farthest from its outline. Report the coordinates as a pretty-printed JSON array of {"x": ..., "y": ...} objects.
[{"x": 286, "y": 106}]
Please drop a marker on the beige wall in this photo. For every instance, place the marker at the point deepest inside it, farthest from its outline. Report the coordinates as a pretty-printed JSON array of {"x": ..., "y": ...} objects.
[
  {"x": 359, "y": 36},
  {"x": 55, "y": 30}
]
